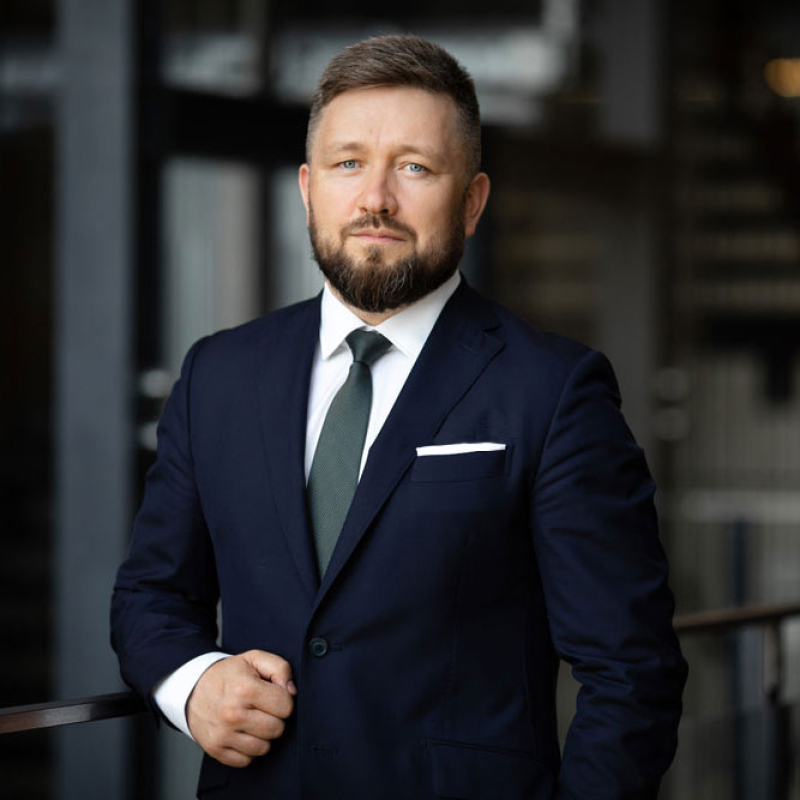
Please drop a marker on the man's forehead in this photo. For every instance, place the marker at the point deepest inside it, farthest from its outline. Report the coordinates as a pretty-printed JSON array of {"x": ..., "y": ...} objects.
[
  {"x": 417, "y": 117},
  {"x": 367, "y": 100}
]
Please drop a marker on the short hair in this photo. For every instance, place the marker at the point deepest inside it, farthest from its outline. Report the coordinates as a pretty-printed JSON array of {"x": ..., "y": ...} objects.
[{"x": 401, "y": 60}]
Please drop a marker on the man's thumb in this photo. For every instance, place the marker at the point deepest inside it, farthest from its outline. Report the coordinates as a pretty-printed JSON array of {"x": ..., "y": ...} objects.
[{"x": 272, "y": 667}]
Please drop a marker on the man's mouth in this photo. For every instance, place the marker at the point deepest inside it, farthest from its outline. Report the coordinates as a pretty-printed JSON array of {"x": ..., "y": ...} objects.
[
  {"x": 377, "y": 236},
  {"x": 374, "y": 230}
]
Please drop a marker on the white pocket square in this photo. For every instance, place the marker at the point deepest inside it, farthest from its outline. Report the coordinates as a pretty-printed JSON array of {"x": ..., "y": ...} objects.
[{"x": 454, "y": 449}]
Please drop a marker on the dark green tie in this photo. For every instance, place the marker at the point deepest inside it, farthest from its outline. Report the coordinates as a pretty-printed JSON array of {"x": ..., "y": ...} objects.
[{"x": 333, "y": 478}]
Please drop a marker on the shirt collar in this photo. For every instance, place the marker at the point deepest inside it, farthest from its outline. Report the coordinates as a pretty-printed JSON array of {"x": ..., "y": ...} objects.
[{"x": 407, "y": 330}]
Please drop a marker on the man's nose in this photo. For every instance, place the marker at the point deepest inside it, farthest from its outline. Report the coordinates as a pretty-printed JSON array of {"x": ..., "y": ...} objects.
[{"x": 377, "y": 193}]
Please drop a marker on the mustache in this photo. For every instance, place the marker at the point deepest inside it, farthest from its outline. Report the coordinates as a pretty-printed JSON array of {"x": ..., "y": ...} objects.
[{"x": 378, "y": 221}]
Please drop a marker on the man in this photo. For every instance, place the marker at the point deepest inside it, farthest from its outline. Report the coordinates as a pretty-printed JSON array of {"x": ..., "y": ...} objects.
[{"x": 406, "y": 530}]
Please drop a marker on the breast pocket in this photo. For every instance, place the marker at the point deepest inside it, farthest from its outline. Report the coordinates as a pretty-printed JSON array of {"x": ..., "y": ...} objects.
[{"x": 461, "y": 466}]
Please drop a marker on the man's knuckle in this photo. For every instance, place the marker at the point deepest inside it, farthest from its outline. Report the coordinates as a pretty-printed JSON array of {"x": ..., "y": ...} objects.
[
  {"x": 242, "y": 691},
  {"x": 275, "y": 728},
  {"x": 231, "y": 715},
  {"x": 213, "y": 739}
]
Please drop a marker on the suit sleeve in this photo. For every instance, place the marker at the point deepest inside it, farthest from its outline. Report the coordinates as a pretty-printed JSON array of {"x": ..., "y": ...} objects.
[
  {"x": 163, "y": 612},
  {"x": 605, "y": 579}
]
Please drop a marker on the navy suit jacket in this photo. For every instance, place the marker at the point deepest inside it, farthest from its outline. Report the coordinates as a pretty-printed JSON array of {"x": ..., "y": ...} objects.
[{"x": 426, "y": 659}]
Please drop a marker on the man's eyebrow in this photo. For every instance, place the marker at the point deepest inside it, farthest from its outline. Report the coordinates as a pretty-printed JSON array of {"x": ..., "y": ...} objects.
[
  {"x": 357, "y": 147},
  {"x": 340, "y": 147},
  {"x": 435, "y": 155}
]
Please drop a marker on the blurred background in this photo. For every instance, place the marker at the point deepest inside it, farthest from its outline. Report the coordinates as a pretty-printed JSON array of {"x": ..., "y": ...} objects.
[{"x": 645, "y": 159}]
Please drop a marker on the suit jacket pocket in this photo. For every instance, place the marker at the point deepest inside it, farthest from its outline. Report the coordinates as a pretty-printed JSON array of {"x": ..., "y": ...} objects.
[
  {"x": 461, "y": 466},
  {"x": 463, "y": 771}
]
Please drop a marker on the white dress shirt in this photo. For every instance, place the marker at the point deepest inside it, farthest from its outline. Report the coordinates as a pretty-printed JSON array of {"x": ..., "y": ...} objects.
[{"x": 407, "y": 330}]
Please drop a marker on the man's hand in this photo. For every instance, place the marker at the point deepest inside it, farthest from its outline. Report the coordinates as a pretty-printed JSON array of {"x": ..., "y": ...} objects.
[{"x": 239, "y": 706}]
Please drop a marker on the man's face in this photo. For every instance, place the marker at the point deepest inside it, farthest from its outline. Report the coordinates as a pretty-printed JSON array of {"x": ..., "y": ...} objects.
[{"x": 387, "y": 197}]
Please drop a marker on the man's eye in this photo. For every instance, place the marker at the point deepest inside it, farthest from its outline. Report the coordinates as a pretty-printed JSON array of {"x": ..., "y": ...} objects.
[
  {"x": 349, "y": 164},
  {"x": 417, "y": 169}
]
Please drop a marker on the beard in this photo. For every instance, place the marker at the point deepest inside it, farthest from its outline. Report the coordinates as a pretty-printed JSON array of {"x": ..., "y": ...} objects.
[{"x": 375, "y": 283}]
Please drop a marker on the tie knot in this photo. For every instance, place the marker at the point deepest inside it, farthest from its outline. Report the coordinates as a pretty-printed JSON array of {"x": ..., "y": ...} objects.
[{"x": 367, "y": 346}]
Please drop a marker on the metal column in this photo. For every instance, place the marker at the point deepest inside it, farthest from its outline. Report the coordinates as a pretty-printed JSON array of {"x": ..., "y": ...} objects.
[{"x": 93, "y": 312}]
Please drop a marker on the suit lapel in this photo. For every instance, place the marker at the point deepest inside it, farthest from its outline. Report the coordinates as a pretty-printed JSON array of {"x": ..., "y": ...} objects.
[
  {"x": 456, "y": 353},
  {"x": 284, "y": 354}
]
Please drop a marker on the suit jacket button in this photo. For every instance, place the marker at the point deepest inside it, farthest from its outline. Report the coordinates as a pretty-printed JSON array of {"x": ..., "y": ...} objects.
[{"x": 318, "y": 647}]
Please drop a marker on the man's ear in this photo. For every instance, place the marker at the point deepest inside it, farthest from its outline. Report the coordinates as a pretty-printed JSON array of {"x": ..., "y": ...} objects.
[
  {"x": 477, "y": 195},
  {"x": 302, "y": 180}
]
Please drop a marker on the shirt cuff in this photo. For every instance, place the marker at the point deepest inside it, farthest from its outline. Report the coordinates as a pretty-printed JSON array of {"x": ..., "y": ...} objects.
[{"x": 172, "y": 693}]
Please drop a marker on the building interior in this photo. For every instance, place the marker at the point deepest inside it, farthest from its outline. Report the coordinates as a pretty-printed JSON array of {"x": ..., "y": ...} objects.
[{"x": 645, "y": 164}]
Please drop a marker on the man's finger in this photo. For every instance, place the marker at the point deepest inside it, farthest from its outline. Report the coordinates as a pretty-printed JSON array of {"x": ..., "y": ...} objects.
[
  {"x": 262, "y": 725},
  {"x": 250, "y": 746},
  {"x": 231, "y": 757},
  {"x": 271, "y": 667},
  {"x": 271, "y": 699}
]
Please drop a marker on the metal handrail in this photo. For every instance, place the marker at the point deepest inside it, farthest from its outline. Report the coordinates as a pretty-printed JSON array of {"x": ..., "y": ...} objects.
[
  {"x": 126, "y": 704},
  {"x": 725, "y": 619},
  {"x": 768, "y": 617},
  {"x": 69, "y": 712}
]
